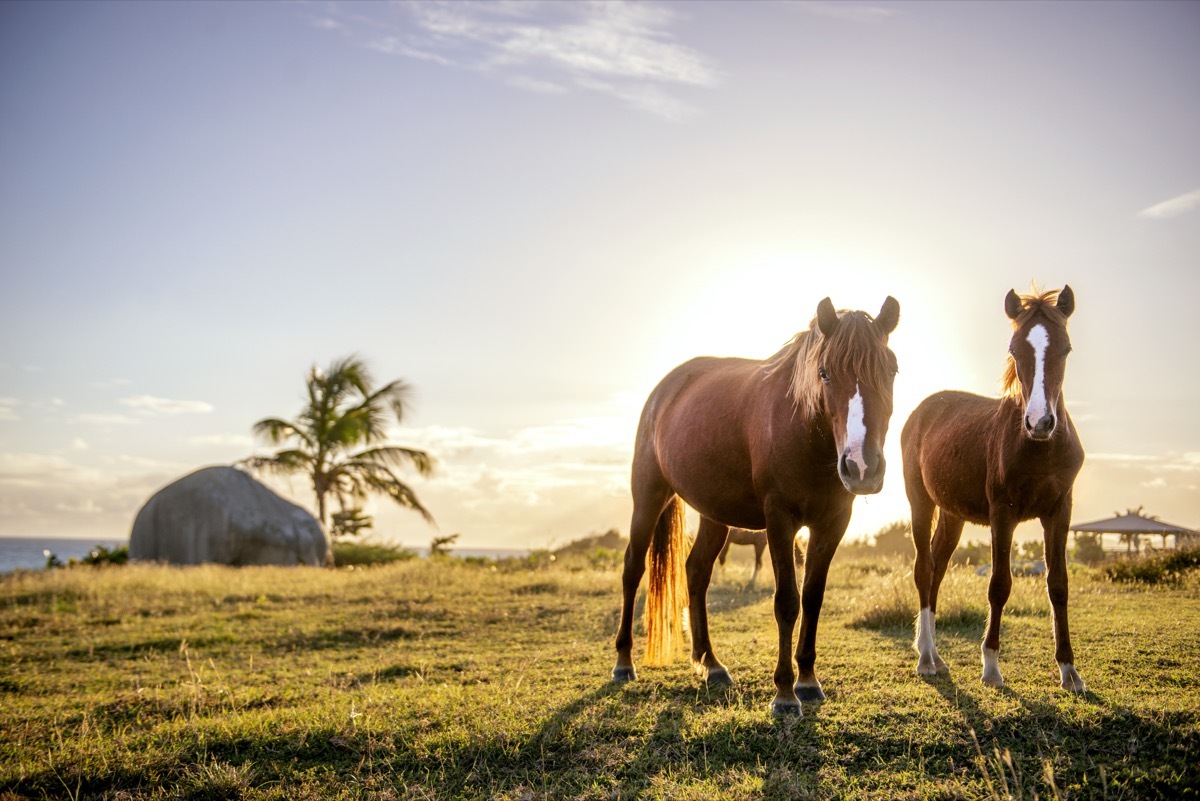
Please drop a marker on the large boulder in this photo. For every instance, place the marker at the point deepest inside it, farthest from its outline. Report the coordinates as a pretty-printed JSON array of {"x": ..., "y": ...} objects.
[{"x": 222, "y": 515}]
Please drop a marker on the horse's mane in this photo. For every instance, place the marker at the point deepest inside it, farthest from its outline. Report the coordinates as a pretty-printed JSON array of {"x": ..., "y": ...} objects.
[
  {"x": 1043, "y": 303},
  {"x": 855, "y": 347}
]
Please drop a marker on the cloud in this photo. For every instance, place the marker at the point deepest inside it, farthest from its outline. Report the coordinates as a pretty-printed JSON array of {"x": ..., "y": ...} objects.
[
  {"x": 1173, "y": 207},
  {"x": 148, "y": 404},
  {"x": 850, "y": 12},
  {"x": 8, "y": 409},
  {"x": 52, "y": 494},
  {"x": 623, "y": 49}
]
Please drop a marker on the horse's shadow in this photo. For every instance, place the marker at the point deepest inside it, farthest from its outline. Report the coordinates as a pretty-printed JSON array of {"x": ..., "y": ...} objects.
[
  {"x": 952, "y": 690},
  {"x": 676, "y": 742}
]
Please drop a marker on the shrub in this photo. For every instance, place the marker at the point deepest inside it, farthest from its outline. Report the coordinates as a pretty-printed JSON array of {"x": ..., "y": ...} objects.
[
  {"x": 102, "y": 555},
  {"x": 358, "y": 554},
  {"x": 1158, "y": 569},
  {"x": 1088, "y": 549}
]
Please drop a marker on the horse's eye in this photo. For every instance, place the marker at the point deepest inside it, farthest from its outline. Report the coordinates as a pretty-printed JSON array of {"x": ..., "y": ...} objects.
[
  {"x": 823, "y": 374},
  {"x": 1068, "y": 350}
]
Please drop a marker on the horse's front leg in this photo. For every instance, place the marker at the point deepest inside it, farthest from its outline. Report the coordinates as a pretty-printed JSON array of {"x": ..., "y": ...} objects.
[
  {"x": 710, "y": 540},
  {"x": 923, "y": 509},
  {"x": 999, "y": 587},
  {"x": 1055, "y": 529},
  {"x": 822, "y": 543},
  {"x": 781, "y": 530}
]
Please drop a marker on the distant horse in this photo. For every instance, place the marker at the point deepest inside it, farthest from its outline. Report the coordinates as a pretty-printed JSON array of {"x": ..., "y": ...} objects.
[
  {"x": 997, "y": 462},
  {"x": 778, "y": 445},
  {"x": 744, "y": 536}
]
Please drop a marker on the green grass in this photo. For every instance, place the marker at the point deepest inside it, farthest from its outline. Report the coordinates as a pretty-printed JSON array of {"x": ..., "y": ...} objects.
[{"x": 442, "y": 679}]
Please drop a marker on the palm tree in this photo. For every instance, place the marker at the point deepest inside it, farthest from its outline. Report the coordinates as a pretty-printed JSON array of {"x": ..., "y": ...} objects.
[{"x": 344, "y": 412}]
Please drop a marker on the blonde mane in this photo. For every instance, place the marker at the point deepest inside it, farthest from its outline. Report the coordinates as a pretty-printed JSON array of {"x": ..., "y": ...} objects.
[
  {"x": 855, "y": 348},
  {"x": 1045, "y": 304}
]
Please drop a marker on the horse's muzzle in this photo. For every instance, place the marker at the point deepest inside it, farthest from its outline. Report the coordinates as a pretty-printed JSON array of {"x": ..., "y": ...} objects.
[
  {"x": 859, "y": 482},
  {"x": 1043, "y": 429}
]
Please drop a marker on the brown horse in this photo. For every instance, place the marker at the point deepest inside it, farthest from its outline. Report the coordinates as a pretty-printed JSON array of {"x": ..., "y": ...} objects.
[
  {"x": 778, "y": 445},
  {"x": 997, "y": 462},
  {"x": 744, "y": 536}
]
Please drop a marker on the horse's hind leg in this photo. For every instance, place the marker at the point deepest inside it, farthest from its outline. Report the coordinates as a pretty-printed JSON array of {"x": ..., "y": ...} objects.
[
  {"x": 710, "y": 539},
  {"x": 945, "y": 540},
  {"x": 1055, "y": 529},
  {"x": 760, "y": 545},
  {"x": 646, "y": 511}
]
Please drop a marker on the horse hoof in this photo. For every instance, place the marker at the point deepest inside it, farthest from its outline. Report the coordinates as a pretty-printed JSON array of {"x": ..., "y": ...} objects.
[
  {"x": 718, "y": 677},
  {"x": 992, "y": 680},
  {"x": 785, "y": 708},
  {"x": 809, "y": 692},
  {"x": 623, "y": 674},
  {"x": 926, "y": 669},
  {"x": 1071, "y": 680}
]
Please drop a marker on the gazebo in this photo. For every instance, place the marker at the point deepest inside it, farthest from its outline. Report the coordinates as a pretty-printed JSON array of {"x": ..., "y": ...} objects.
[{"x": 1133, "y": 525}]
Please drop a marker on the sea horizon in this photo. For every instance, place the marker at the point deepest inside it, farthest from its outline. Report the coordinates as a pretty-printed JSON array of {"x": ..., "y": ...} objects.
[{"x": 30, "y": 553}]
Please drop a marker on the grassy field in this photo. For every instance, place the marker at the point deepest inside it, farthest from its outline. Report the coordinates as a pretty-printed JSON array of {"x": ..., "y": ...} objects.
[{"x": 441, "y": 679}]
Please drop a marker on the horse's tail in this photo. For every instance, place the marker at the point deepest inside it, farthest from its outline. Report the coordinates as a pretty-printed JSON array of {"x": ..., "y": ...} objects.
[{"x": 666, "y": 593}]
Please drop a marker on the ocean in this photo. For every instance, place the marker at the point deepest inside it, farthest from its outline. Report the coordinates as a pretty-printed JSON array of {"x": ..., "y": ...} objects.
[{"x": 28, "y": 553}]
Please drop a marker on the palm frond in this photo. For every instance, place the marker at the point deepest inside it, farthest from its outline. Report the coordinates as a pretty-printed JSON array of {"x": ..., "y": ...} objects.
[
  {"x": 378, "y": 477},
  {"x": 276, "y": 431},
  {"x": 283, "y": 463},
  {"x": 397, "y": 455}
]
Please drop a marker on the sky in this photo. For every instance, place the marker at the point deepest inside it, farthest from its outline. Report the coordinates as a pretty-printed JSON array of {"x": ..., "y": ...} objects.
[{"x": 532, "y": 211}]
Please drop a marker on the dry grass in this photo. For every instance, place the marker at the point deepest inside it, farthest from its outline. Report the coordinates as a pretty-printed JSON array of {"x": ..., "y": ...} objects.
[{"x": 449, "y": 680}]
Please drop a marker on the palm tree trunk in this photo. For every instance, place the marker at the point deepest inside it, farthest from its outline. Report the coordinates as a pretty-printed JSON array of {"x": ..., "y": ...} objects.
[{"x": 320, "y": 491}]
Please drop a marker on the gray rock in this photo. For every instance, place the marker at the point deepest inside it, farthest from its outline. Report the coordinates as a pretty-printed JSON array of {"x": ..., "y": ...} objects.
[{"x": 222, "y": 515}]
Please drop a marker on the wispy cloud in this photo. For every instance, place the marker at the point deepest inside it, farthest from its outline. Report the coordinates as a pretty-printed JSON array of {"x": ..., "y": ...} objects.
[
  {"x": 626, "y": 50},
  {"x": 850, "y": 12},
  {"x": 1173, "y": 207},
  {"x": 8, "y": 409},
  {"x": 148, "y": 404}
]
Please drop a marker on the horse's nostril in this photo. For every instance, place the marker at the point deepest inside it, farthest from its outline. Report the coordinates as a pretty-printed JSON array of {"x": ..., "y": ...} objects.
[{"x": 848, "y": 468}]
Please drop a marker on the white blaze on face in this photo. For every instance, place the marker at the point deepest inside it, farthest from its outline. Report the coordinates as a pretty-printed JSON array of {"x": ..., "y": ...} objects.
[
  {"x": 856, "y": 432},
  {"x": 1038, "y": 406}
]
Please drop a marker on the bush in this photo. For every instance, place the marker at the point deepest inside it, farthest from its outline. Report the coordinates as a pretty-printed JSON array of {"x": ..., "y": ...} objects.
[
  {"x": 102, "y": 555},
  {"x": 1088, "y": 549},
  {"x": 972, "y": 553},
  {"x": 1167, "y": 568},
  {"x": 358, "y": 554}
]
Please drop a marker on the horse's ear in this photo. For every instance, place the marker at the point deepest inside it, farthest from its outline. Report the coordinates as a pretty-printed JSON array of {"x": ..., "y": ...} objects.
[
  {"x": 1012, "y": 305},
  {"x": 889, "y": 315},
  {"x": 827, "y": 318},
  {"x": 1066, "y": 301}
]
